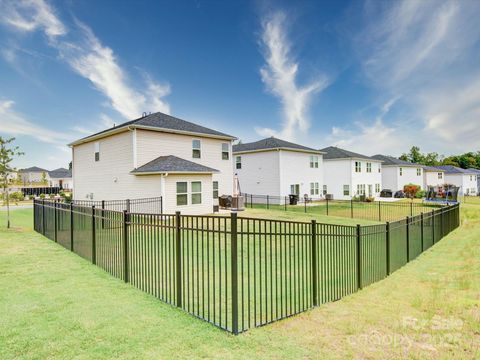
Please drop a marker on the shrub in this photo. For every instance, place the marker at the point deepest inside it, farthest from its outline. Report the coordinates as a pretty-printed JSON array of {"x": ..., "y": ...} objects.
[
  {"x": 411, "y": 190},
  {"x": 420, "y": 194},
  {"x": 16, "y": 196},
  {"x": 370, "y": 199},
  {"x": 31, "y": 197},
  {"x": 42, "y": 196}
]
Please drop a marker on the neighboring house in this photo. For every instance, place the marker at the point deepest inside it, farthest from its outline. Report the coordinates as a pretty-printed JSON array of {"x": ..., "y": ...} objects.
[
  {"x": 397, "y": 173},
  {"x": 276, "y": 167},
  {"x": 348, "y": 174},
  {"x": 61, "y": 178},
  {"x": 476, "y": 171},
  {"x": 33, "y": 174},
  {"x": 466, "y": 180},
  {"x": 433, "y": 176},
  {"x": 156, "y": 155},
  {"x": 12, "y": 176}
]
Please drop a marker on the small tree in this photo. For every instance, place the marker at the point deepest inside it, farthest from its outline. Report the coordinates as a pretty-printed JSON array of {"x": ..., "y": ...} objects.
[
  {"x": 7, "y": 154},
  {"x": 411, "y": 190}
]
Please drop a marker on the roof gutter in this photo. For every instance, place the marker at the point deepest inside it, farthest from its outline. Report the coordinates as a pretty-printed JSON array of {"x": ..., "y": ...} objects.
[{"x": 278, "y": 149}]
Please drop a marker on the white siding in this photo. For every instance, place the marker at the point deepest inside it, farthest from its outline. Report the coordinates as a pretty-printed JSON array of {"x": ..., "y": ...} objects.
[
  {"x": 390, "y": 178},
  {"x": 110, "y": 178},
  {"x": 67, "y": 183},
  {"x": 431, "y": 178},
  {"x": 467, "y": 183},
  {"x": 295, "y": 169},
  {"x": 338, "y": 173},
  {"x": 366, "y": 178},
  {"x": 152, "y": 144},
  {"x": 260, "y": 173},
  {"x": 170, "y": 195}
]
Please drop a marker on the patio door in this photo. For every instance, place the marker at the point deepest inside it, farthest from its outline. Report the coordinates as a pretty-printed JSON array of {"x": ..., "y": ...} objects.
[
  {"x": 370, "y": 190},
  {"x": 295, "y": 189}
]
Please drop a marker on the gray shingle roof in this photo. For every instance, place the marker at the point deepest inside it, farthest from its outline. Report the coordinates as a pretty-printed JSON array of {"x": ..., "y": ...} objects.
[
  {"x": 450, "y": 169},
  {"x": 393, "y": 161},
  {"x": 33, "y": 169},
  {"x": 270, "y": 143},
  {"x": 60, "y": 173},
  {"x": 333, "y": 152},
  {"x": 476, "y": 171},
  {"x": 432, "y": 168},
  {"x": 170, "y": 163},
  {"x": 163, "y": 121}
]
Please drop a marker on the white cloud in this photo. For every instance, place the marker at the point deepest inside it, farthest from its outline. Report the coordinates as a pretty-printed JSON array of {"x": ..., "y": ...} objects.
[
  {"x": 88, "y": 57},
  {"x": 15, "y": 124},
  {"x": 280, "y": 76}
]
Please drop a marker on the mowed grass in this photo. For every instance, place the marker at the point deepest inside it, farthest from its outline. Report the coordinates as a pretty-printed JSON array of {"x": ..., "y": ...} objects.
[{"x": 56, "y": 305}]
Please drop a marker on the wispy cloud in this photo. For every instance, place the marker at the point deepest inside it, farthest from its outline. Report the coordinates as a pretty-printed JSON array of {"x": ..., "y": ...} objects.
[
  {"x": 280, "y": 77},
  {"x": 15, "y": 124},
  {"x": 424, "y": 54},
  {"x": 88, "y": 57}
]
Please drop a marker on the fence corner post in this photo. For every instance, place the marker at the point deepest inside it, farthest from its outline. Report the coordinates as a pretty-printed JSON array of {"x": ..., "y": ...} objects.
[
  {"x": 422, "y": 224},
  {"x": 126, "y": 220},
  {"x": 94, "y": 246},
  {"x": 314, "y": 264},
  {"x": 234, "y": 264},
  {"x": 359, "y": 257},
  {"x": 71, "y": 226},
  {"x": 178, "y": 258},
  {"x": 55, "y": 221},
  {"x": 43, "y": 217},
  {"x": 408, "y": 239},
  {"x": 387, "y": 229}
]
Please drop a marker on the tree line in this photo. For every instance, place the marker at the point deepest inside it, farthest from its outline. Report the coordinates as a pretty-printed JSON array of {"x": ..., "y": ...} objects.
[{"x": 467, "y": 160}]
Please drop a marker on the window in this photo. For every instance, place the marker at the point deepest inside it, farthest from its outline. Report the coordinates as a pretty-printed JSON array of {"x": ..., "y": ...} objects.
[
  {"x": 97, "y": 151},
  {"x": 196, "y": 192},
  {"x": 182, "y": 197},
  {"x": 419, "y": 172},
  {"x": 295, "y": 189},
  {"x": 215, "y": 189},
  {"x": 314, "y": 189},
  {"x": 358, "y": 166},
  {"x": 379, "y": 168},
  {"x": 440, "y": 176},
  {"x": 369, "y": 167},
  {"x": 377, "y": 188},
  {"x": 238, "y": 162},
  {"x": 324, "y": 189},
  {"x": 314, "y": 161},
  {"x": 196, "y": 151},
  {"x": 225, "y": 151},
  {"x": 360, "y": 189},
  {"x": 346, "y": 190},
  {"x": 401, "y": 171}
]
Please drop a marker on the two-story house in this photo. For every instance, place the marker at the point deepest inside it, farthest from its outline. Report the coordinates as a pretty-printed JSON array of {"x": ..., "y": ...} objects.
[
  {"x": 33, "y": 175},
  {"x": 466, "y": 180},
  {"x": 348, "y": 174},
  {"x": 476, "y": 171},
  {"x": 61, "y": 178},
  {"x": 278, "y": 168},
  {"x": 397, "y": 173},
  {"x": 433, "y": 176},
  {"x": 156, "y": 155}
]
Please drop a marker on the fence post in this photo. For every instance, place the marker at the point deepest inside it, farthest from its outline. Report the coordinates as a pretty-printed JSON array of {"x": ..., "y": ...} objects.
[
  {"x": 327, "y": 205},
  {"x": 161, "y": 204},
  {"x": 411, "y": 208},
  {"x": 408, "y": 239},
  {"x": 422, "y": 224},
  {"x": 43, "y": 217},
  {"x": 94, "y": 246},
  {"x": 285, "y": 203},
  {"x": 305, "y": 204},
  {"x": 55, "y": 221},
  {"x": 126, "y": 220},
  {"x": 178, "y": 258},
  {"x": 103, "y": 214},
  {"x": 379, "y": 211},
  {"x": 387, "y": 230},
  {"x": 441, "y": 224},
  {"x": 359, "y": 257},
  {"x": 351, "y": 208},
  {"x": 128, "y": 205},
  {"x": 268, "y": 202},
  {"x": 71, "y": 226},
  {"x": 433, "y": 226},
  {"x": 234, "y": 259},
  {"x": 314, "y": 263}
]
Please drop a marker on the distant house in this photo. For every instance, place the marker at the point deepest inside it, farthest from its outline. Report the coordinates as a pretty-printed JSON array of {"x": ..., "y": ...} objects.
[
  {"x": 61, "y": 178},
  {"x": 348, "y": 174},
  {"x": 187, "y": 164},
  {"x": 476, "y": 171},
  {"x": 466, "y": 180},
  {"x": 433, "y": 176},
  {"x": 277, "y": 167},
  {"x": 397, "y": 173},
  {"x": 33, "y": 174}
]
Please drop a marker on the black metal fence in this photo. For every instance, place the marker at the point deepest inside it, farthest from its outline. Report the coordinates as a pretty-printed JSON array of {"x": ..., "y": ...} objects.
[
  {"x": 239, "y": 272},
  {"x": 145, "y": 205},
  {"x": 376, "y": 210}
]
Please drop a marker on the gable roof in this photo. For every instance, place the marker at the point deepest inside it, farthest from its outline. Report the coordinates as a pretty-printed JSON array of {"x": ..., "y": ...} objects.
[
  {"x": 172, "y": 164},
  {"x": 60, "y": 173},
  {"x": 476, "y": 171},
  {"x": 393, "y": 161},
  {"x": 271, "y": 143},
  {"x": 432, "y": 169},
  {"x": 333, "y": 152},
  {"x": 450, "y": 169},
  {"x": 33, "y": 169},
  {"x": 160, "y": 122}
]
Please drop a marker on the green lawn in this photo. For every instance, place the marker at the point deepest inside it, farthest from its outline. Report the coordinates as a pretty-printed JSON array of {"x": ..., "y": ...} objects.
[{"x": 56, "y": 305}]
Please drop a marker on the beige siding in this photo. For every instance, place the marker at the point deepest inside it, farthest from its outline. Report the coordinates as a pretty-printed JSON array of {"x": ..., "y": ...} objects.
[
  {"x": 170, "y": 198},
  {"x": 110, "y": 177},
  {"x": 152, "y": 144}
]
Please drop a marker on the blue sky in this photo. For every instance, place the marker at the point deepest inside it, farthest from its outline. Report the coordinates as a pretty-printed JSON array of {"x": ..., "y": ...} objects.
[{"x": 371, "y": 76}]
